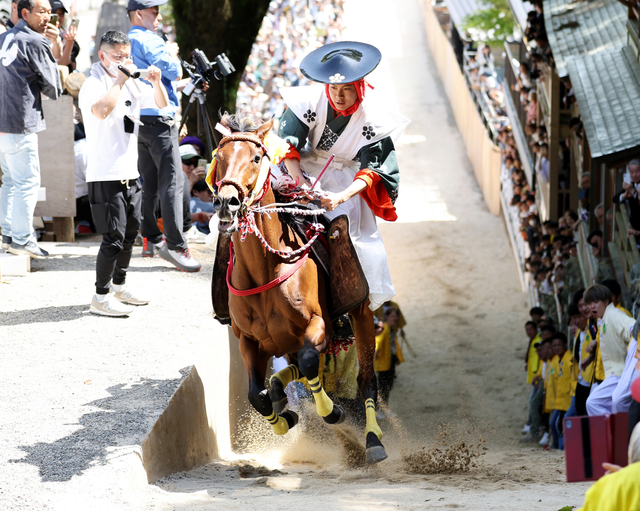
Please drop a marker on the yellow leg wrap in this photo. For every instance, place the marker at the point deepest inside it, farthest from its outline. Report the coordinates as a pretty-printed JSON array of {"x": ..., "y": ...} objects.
[
  {"x": 372, "y": 423},
  {"x": 279, "y": 424},
  {"x": 287, "y": 375},
  {"x": 324, "y": 405}
]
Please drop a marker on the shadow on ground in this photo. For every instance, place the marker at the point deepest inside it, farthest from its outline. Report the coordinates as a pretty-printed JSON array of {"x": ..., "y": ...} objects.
[
  {"x": 51, "y": 314},
  {"x": 124, "y": 418}
]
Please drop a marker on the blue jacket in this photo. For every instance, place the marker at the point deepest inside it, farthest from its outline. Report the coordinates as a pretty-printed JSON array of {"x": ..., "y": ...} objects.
[
  {"x": 148, "y": 49},
  {"x": 27, "y": 68}
]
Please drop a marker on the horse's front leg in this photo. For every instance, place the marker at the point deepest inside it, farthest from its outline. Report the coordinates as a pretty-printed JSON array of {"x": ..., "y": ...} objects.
[
  {"x": 309, "y": 363},
  {"x": 256, "y": 365},
  {"x": 366, "y": 344}
]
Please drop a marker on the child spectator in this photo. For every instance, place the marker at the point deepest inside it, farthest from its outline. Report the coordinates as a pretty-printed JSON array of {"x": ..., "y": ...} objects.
[
  {"x": 614, "y": 334},
  {"x": 201, "y": 206},
  {"x": 387, "y": 355},
  {"x": 582, "y": 378},
  {"x": 531, "y": 362},
  {"x": 561, "y": 381},
  {"x": 616, "y": 294},
  {"x": 539, "y": 412}
]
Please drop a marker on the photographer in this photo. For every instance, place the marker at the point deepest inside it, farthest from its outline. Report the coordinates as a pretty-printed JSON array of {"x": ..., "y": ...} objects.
[
  {"x": 27, "y": 70},
  {"x": 159, "y": 160},
  {"x": 111, "y": 102}
]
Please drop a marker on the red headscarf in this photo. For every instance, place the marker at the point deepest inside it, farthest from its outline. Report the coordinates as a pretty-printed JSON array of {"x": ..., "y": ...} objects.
[{"x": 360, "y": 86}]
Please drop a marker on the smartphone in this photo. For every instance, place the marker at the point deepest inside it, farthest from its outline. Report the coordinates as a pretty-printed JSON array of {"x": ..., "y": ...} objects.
[
  {"x": 202, "y": 163},
  {"x": 143, "y": 73},
  {"x": 54, "y": 19},
  {"x": 627, "y": 177},
  {"x": 74, "y": 23}
]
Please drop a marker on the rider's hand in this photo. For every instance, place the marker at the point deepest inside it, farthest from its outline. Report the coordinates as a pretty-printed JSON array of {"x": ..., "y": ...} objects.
[{"x": 331, "y": 200}]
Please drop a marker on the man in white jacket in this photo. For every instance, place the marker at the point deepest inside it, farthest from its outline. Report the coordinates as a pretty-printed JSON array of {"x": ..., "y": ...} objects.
[
  {"x": 614, "y": 334},
  {"x": 110, "y": 101}
]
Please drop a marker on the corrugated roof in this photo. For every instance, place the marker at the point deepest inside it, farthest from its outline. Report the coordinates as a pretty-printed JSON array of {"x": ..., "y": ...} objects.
[
  {"x": 607, "y": 88},
  {"x": 460, "y": 9},
  {"x": 584, "y": 27}
]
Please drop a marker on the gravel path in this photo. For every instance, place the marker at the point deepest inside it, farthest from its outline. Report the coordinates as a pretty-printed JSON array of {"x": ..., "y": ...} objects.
[{"x": 81, "y": 391}]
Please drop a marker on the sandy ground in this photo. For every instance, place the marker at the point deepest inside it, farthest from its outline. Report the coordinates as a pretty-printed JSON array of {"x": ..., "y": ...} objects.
[{"x": 80, "y": 391}]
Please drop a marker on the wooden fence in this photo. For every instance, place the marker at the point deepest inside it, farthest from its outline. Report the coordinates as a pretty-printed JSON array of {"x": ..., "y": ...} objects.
[{"x": 482, "y": 152}]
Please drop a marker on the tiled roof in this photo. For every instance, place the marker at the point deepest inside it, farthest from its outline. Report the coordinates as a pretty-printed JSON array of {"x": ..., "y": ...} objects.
[
  {"x": 607, "y": 88},
  {"x": 460, "y": 9},
  {"x": 584, "y": 27}
]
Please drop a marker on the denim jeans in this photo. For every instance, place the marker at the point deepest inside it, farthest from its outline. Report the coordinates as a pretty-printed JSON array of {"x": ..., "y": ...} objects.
[
  {"x": 555, "y": 424},
  {"x": 20, "y": 185}
]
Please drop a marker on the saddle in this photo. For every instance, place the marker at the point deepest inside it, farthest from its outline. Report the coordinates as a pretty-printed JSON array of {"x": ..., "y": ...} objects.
[{"x": 347, "y": 285}]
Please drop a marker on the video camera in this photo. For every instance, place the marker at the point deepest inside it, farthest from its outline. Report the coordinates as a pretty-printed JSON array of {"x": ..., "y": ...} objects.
[{"x": 202, "y": 70}]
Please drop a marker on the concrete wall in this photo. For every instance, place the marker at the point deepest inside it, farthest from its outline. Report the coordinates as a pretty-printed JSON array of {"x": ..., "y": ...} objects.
[
  {"x": 203, "y": 416},
  {"x": 485, "y": 157}
]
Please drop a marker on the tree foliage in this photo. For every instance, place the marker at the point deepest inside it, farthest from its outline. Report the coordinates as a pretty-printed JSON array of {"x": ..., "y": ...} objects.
[
  {"x": 493, "y": 22},
  {"x": 219, "y": 26}
]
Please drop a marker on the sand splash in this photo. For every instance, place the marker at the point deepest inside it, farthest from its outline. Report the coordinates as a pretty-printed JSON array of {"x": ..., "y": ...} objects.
[{"x": 451, "y": 453}]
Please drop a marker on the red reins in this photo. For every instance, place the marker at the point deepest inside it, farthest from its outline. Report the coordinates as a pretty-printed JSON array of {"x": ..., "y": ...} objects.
[{"x": 267, "y": 286}]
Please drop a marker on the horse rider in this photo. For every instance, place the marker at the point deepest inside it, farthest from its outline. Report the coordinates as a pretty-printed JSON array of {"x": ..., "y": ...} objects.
[{"x": 362, "y": 180}]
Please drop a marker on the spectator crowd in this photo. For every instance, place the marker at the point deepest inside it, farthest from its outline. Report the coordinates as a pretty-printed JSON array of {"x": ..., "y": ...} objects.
[{"x": 291, "y": 29}]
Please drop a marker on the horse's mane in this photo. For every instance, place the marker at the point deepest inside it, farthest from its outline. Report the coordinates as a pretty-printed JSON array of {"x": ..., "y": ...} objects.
[{"x": 240, "y": 122}]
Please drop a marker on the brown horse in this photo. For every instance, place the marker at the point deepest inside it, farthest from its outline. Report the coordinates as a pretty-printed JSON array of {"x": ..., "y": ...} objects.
[{"x": 290, "y": 318}]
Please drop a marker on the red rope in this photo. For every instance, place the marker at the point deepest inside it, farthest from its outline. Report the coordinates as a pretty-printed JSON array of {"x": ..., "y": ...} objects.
[{"x": 269, "y": 285}]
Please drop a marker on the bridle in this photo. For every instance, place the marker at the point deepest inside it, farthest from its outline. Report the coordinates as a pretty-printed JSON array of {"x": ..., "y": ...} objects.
[{"x": 263, "y": 183}]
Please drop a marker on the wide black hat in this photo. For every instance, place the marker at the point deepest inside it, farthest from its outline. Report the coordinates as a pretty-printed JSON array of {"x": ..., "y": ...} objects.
[{"x": 344, "y": 62}]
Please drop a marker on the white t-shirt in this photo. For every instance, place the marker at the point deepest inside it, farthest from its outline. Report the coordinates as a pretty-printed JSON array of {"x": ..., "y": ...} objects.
[
  {"x": 112, "y": 154},
  {"x": 80, "y": 151}
]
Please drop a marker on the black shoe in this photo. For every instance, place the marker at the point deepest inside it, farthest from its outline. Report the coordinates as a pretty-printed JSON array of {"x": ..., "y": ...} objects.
[
  {"x": 30, "y": 248},
  {"x": 6, "y": 242}
]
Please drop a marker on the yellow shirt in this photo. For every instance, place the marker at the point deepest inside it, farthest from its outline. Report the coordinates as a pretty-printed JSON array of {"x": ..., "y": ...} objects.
[
  {"x": 599, "y": 365},
  {"x": 587, "y": 374},
  {"x": 382, "y": 361},
  {"x": 550, "y": 377},
  {"x": 563, "y": 382},
  {"x": 533, "y": 362},
  {"x": 619, "y": 491}
]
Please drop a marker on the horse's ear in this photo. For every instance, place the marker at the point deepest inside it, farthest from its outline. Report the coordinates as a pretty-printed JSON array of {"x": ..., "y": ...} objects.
[{"x": 262, "y": 131}]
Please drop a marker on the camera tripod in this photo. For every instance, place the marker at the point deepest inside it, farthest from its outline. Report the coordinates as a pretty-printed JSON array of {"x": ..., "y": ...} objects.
[{"x": 203, "y": 117}]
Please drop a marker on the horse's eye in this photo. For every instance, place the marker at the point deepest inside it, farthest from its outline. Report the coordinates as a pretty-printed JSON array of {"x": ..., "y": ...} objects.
[{"x": 256, "y": 158}]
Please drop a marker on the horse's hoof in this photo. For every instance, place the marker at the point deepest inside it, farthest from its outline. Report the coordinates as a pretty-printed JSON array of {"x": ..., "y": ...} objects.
[
  {"x": 375, "y": 449},
  {"x": 277, "y": 395},
  {"x": 291, "y": 417},
  {"x": 337, "y": 415}
]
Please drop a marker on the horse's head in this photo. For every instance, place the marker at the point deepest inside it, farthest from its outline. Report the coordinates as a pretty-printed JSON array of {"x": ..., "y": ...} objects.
[{"x": 240, "y": 157}]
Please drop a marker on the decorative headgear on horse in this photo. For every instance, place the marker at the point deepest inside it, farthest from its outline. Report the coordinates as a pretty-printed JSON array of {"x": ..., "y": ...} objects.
[{"x": 338, "y": 63}]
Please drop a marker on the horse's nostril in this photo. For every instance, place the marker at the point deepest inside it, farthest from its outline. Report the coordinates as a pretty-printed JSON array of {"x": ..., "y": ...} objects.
[
  {"x": 217, "y": 204},
  {"x": 234, "y": 204}
]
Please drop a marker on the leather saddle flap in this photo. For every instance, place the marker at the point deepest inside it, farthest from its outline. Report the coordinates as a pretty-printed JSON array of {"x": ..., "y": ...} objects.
[{"x": 349, "y": 287}]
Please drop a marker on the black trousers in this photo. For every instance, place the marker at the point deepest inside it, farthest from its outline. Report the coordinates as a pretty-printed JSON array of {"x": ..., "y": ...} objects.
[
  {"x": 83, "y": 211},
  {"x": 186, "y": 203},
  {"x": 115, "y": 207},
  {"x": 385, "y": 381},
  {"x": 160, "y": 166},
  {"x": 582, "y": 393}
]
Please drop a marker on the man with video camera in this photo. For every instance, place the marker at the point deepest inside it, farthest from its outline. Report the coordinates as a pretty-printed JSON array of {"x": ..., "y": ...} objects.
[
  {"x": 159, "y": 160},
  {"x": 111, "y": 101}
]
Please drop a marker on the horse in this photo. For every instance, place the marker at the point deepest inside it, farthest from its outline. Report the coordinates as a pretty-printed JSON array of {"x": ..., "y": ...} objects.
[{"x": 288, "y": 313}]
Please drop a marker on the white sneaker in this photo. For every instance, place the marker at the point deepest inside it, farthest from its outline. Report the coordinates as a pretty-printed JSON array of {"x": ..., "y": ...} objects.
[
  {"x": 526, "y": 429},
  {"x": 126, "y": 296},
  {"x": 193, "y": 235},
  {"x": 109, "y": 307},
  {"x": 544, "y": 441},
  {"x": 180, "y": 258}
]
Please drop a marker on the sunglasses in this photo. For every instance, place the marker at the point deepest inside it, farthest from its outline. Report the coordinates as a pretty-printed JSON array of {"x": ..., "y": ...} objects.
[{"x": 191, "y": 161}]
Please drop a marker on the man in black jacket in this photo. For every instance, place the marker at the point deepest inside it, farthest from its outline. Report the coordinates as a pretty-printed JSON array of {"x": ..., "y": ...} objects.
[
  {"x": 27, "y": 70},
  {"x": 630, "y": 195}
]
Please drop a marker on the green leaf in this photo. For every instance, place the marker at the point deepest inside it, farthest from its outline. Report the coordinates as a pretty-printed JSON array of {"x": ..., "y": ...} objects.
[{"x": 494, "y": 19}]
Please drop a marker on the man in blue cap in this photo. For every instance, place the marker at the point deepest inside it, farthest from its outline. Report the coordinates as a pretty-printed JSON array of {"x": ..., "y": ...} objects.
[{"x": 159, "y": 160}]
